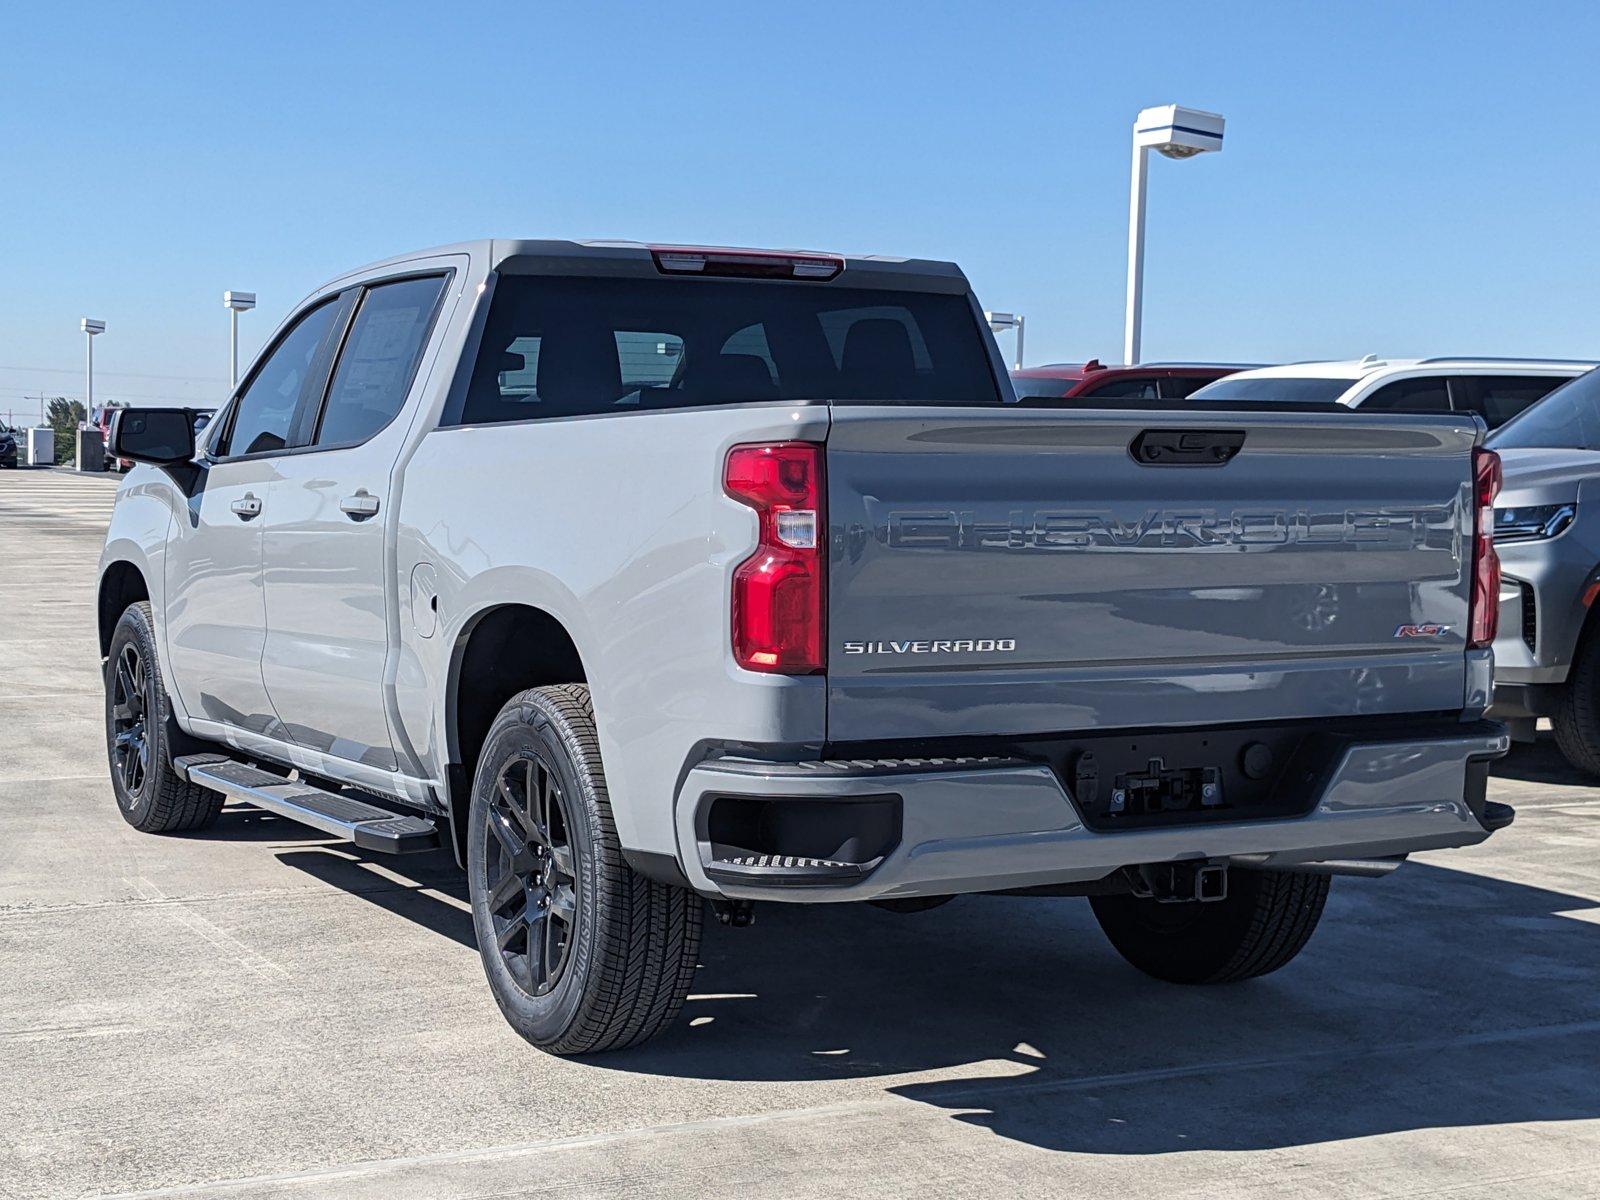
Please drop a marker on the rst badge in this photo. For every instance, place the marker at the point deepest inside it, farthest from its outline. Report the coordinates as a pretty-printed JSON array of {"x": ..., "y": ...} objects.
[{"x": 1428, "y": 630}]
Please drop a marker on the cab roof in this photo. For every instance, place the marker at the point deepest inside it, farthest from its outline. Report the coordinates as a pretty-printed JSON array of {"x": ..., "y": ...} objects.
[{"x": 550, "y": 256}]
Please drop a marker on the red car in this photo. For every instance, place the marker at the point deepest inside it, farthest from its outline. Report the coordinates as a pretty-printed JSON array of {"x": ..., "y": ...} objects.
[{"x": 1050, "y": 386}]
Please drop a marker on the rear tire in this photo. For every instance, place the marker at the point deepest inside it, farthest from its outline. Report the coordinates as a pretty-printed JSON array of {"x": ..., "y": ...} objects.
[
  {"x": 583, "y": 954},
  {"x": 1576, "y": 719},
  {"x": 141, "y": 732},
  {"x": 1266, "y": 919}
]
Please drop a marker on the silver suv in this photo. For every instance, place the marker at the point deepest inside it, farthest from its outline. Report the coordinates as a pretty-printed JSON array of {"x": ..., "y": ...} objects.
[
  {"x": 1496, "y": 389},
  {"x": 1547, "y": 654}
]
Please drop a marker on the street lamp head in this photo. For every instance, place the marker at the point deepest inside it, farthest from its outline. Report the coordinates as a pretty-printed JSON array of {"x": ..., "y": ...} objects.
[
  {"x": 239, "y": 301},
  {"x": 1178, "y": 132},
  {"x": 90, "y": 326},
  {"x": 1002, "y": 320}
]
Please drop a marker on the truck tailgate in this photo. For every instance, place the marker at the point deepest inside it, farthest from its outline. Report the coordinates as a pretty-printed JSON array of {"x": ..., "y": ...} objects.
[{"x": 1016, "y": 572}]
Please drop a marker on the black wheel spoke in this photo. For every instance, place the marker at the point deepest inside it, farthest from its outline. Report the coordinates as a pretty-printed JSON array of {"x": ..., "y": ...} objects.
[
  {"x": 561, "y": 859},
  {"x": 538, "y": 803},
  {"x": 536, "y": 861},
  {"x": 538, "y": 948},
  {"x": 130, "y": 764},
  {"x": 507, "y": 834},
  {"x": 553, "y": 946},
  {"x": 125, "y": 685},
  {"x": 130, "y": 743},
  {"x": 508, "y": 935},
  {"x": 509, "y": 886},
  {"x": 564, "y": 903}
]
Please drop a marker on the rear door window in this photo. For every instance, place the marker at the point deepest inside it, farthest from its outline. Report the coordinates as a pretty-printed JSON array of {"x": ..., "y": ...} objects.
[
  {"x": 1118, "y": 389},
  {"x": 1410, "y": 395},
  {"x": 562, "y": 347},
  {"x": 1498, "y": 398},
  {"x": 1034, "y": 387},
  {"x": 379, "y": 359},
  {"x": 1181, "y": 387}
]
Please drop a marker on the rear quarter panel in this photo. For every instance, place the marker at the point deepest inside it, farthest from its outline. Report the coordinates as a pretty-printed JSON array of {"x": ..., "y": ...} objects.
[{"x": 618, "y": 527}]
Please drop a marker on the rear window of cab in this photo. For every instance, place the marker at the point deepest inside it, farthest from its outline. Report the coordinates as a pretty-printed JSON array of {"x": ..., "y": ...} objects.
[{"x": 561, "y": 347}]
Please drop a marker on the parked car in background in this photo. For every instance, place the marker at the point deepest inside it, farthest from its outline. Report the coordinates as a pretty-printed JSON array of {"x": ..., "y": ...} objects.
[
  {"x": 202, "y": 418},
  {"x": 1547, "y": 531},
  {"x": 1077, "y": 384},
  {"x": 101, "y": 419},
  {"x": 8, "y": 446},
  {"x": 1496, "y": 389}
]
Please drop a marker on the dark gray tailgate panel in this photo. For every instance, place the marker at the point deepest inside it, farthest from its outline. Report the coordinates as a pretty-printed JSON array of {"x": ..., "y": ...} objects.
[{"x": 1008, "y": 572}]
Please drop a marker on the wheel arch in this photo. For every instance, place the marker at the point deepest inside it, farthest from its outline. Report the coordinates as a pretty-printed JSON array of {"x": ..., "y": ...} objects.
[
  {"x": 500, "y": 650},
  {"x": 122, "y": 582}
]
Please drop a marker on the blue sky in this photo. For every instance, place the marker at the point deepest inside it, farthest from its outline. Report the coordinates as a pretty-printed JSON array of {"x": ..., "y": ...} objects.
[{"x": 1398, "y": 178}]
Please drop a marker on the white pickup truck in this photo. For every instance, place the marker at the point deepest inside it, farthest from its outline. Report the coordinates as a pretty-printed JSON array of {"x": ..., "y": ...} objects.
[{"x": 640, "y": 577}]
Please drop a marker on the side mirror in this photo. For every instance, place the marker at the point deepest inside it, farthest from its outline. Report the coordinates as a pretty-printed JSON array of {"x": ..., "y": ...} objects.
[{"x": 163, "y": 437}]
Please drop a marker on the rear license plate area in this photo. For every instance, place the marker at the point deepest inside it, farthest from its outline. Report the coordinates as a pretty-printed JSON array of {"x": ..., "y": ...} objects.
[{"x": 1138, "y": 780}]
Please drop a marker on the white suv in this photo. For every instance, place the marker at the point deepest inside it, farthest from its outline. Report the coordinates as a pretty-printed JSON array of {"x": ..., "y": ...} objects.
[{"x": 1497, "y": 389}]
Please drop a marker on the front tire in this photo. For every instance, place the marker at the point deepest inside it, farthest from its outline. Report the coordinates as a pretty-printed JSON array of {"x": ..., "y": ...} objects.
[
  {"x": 582, "y": 953},
  {"x": 140, "y": 731},
  {"x": 1576, "y": 719},
  {"x": 1266, "y": 919}
]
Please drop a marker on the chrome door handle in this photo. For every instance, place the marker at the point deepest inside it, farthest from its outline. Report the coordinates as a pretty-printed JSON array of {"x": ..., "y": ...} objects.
[
  {"x": 360, "y": 506},
  {"x": 246, "y": 507}
]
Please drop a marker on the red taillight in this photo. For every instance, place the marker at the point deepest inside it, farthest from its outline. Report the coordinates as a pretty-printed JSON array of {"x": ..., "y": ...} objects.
[
  {"x": 778, "y": 592},
  {"x": 745, "y": 264},
  {"x": 1484, "y": 615}
]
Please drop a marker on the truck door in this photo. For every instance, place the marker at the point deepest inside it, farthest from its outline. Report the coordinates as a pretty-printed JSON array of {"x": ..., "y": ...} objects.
[
  {"x": 329, "y": 592},
  {"x": 215, "y": 618}
]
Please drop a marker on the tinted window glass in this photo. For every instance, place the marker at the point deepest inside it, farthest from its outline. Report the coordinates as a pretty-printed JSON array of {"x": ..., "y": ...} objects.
[
  {"x": 1180, "y": 387},
  {"x": 1568, "y": 418},
  {"x": 1498, "y": 398},
  {"x": 1308, "y": 391},
  {"x": 1035, "y": 387},
  {"x": 265, "y": 411},
  {"x": 648, "y": 359},
  {"x": 519, "y": 370},
  {"x": 379, "y": 358},
  {"x": 1132, "y": 389},
  {"x": 1411, "y": 395},
  {"x": 556, "y": 347}
]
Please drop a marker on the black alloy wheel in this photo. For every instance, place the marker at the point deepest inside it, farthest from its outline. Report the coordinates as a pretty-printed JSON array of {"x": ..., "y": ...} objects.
[
  {"x": 131, "y": 705},
  {"x": 532, "y": 874}
]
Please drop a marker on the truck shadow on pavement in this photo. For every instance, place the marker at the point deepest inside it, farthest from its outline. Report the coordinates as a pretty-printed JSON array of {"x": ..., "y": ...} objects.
[{"x": 1434, "y": 998}]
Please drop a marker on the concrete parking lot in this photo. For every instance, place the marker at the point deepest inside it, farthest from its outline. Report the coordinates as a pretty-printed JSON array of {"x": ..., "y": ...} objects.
[{"x": 258, "y": 1011}]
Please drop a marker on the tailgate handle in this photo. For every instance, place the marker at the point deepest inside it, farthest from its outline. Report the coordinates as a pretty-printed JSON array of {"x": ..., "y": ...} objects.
[{"x": 1185, "y": 447}]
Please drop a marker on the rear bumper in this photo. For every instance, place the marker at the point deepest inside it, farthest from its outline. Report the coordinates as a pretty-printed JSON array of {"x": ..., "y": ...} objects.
[{"x": 986, "y": 824}]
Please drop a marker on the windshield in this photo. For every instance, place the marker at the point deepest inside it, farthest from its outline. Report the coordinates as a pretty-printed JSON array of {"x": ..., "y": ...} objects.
[
  {"x": 1281, "y": 387},
  {"x": 563, "y": 347},
  {"x": 1568, "y": 418}
]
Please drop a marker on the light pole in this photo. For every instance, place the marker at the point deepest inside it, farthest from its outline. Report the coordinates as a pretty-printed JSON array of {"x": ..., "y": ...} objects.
[
  {"x": 999, "y": 320},
  {"x": 1175, "y": 132},
  {"x": 236, "y": 303},
  {"x": 91, "y": 327}
]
